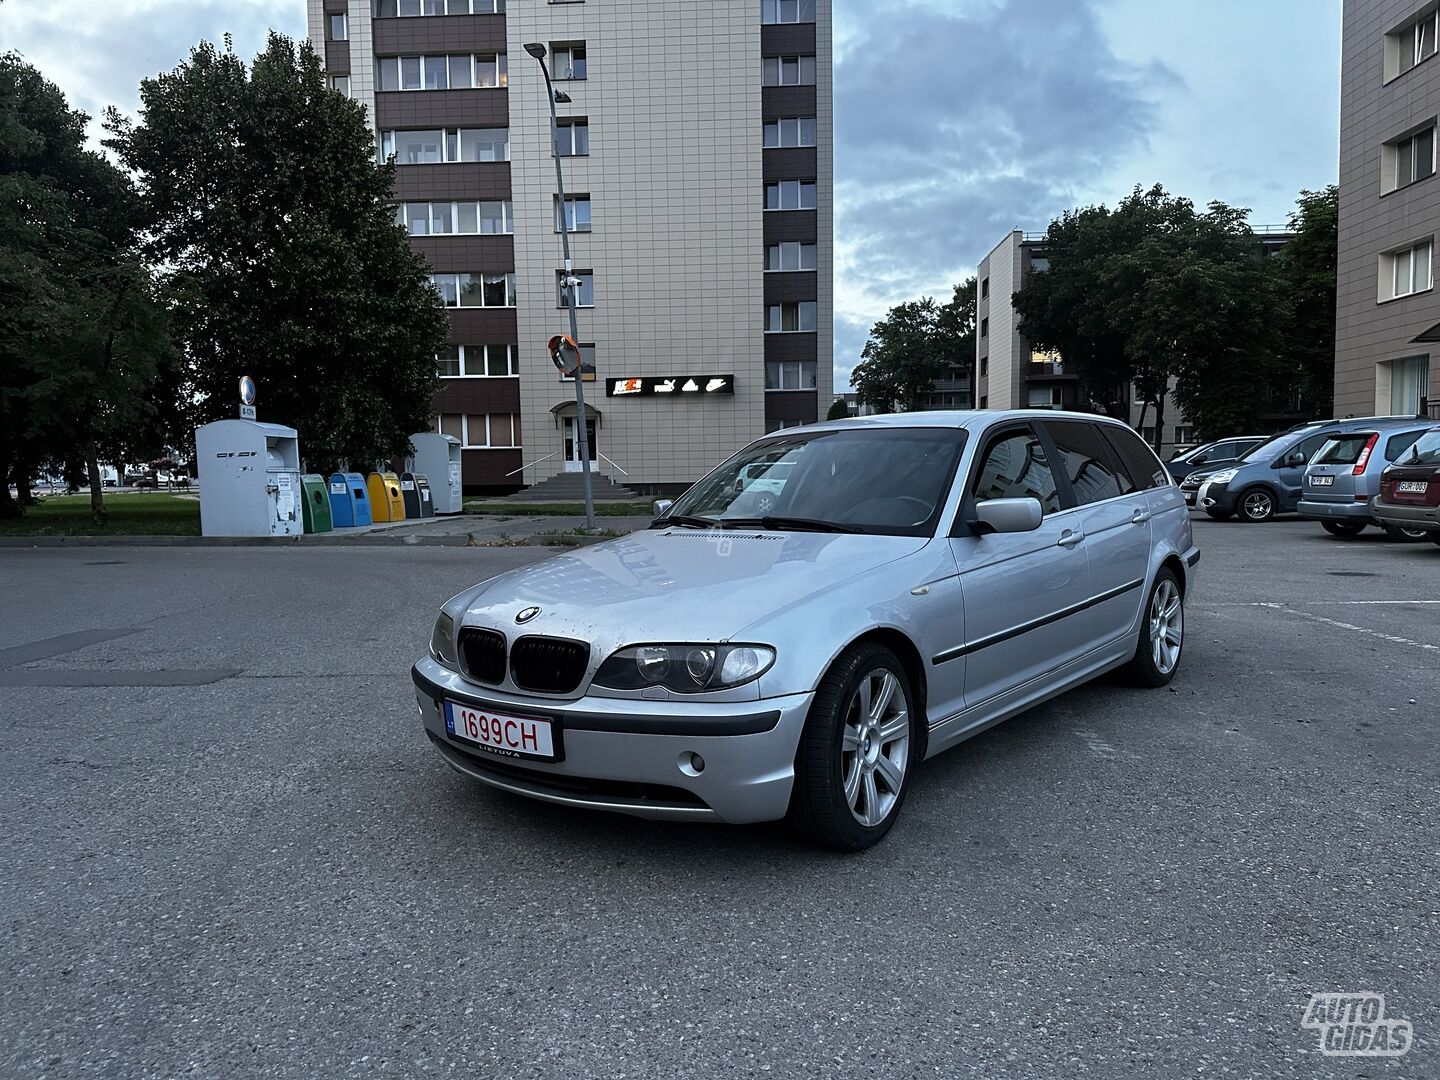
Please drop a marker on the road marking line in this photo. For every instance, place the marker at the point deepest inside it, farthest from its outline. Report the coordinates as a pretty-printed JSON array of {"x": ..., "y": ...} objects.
[
  {"x": 1095, "y": 744},
  {"x": 1392, "y": 638}
]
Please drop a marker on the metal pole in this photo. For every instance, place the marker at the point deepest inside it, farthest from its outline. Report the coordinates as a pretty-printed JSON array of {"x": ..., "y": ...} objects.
[{"x": 571, "y": 294}]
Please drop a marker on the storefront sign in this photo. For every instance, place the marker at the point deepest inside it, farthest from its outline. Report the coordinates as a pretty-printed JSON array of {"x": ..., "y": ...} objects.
[{"x": 679, "y": 385}]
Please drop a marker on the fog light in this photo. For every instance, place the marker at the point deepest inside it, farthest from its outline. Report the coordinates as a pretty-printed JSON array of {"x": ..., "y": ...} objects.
[{"x": 697, "y": 763}]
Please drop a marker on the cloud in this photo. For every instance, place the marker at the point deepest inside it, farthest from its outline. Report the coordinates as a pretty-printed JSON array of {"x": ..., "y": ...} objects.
[
  {"x": 97, "y": 53},
  {"x": 956, "y": 123}
]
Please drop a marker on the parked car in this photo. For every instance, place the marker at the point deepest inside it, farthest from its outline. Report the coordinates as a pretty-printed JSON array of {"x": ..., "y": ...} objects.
[
  {"x": 146, "y": 480},
  {"x": 763, "y": 482},
  {"x": 1211, "y": 455},
  {"x": 924, "y": 577},
  {"x": 1344, "y": 475},
  {"x": 1268, "y": 480},
  {"x": 1409, "y": 495}
]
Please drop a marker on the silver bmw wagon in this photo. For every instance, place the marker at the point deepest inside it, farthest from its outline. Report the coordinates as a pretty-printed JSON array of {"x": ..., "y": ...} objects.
[{"x": 822, "y": 612}]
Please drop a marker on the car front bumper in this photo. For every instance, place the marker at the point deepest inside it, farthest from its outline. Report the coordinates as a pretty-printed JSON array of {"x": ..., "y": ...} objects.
[
  {"x": 1216, "y": 498},
  {"x": 633, "y": 756},
  {"x": 1334, "y": 511},
  {"x": 1409, "y": 517}
]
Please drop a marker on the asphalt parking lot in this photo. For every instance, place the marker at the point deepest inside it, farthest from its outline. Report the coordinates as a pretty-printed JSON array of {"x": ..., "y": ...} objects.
[{"x": 226, "y": 849}]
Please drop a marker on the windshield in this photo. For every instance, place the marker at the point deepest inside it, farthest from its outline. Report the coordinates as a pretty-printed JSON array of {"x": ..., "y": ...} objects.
[
  {"x": 1425, "y": 452},
  {"x": 1276, "y": 444},
  {"x": 891, "y": 481},
  {"x": 1181, "y": 456}
]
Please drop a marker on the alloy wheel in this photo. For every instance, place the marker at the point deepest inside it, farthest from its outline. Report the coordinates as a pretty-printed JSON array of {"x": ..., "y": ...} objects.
[
  {"x": 1259, "y": 505},
  {"x": 875, "y": 747},
  {"x": 1167, "y": 627}
]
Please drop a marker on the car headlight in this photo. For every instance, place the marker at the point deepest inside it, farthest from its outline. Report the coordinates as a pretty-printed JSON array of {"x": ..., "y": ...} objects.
[
  {"x": 1224, "y": 476},
  {"x": 685, "y": 669},
  {"x": 442, "y": 641}
]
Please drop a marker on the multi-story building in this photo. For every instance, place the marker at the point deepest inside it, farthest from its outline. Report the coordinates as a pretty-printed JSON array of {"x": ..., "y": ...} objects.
[
  {"x": 1387, "y": 314},
  {"x": 696, "y": 146}
]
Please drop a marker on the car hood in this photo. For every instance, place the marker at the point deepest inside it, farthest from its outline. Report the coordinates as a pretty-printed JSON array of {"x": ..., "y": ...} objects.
[{"x": 675, "y": 584}]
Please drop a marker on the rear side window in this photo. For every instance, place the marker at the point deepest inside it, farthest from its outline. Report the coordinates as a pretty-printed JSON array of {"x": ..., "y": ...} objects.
[
  {"x": 1015, "y": 467},
  {"x": 1343, "y": 449},
  {"x": 1426, "y": 451},
  {"x": 1398, "y": 444},
  {"x": 1091, "y": 465},
  {"x": 1145, "y": 468}
]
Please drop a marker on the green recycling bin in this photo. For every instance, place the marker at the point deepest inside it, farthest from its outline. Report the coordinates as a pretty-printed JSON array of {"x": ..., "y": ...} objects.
[{"x": 315, "y": 504}]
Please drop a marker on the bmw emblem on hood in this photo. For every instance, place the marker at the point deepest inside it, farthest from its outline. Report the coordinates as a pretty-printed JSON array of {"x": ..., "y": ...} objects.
[{"x": 526, "y": 615}]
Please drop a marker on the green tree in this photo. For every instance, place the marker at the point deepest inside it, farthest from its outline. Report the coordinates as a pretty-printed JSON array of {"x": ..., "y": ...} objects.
[
  {"x": 838, "y": 410},
  {"x": 1305, "y": 273},
  {"x": 957, "y": 331},
  {"x": 902, "y": 359},
  {"x": 278, "y": 235}
]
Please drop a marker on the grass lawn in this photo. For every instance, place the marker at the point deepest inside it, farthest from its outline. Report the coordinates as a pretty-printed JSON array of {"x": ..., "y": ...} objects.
[
  {"x": 602, "y": 509},
  {"x": 156, "y": 513}
]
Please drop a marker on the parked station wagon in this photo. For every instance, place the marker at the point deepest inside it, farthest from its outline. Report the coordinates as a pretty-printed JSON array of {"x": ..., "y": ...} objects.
[{"x": 920, "y": 578}]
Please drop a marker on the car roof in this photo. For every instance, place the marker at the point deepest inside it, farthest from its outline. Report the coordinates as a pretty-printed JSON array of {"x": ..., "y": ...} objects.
[{"x": 970, "y": 419}]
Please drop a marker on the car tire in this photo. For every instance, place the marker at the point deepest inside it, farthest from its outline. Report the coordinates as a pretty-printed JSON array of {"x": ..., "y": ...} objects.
[
  {"x": 1257, "y": 504},
  {"x": 1345, "y": 530},
  {"x": 843, "y": 797},
  {"x": 1219, "y": 515},
  {"x": 1402, "y": 535},
  {"x": 1161, "y": 620}
]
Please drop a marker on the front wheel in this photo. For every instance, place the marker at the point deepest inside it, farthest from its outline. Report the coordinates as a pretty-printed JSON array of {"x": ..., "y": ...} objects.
[
  {"x": 1257, "y": 504},
  {"x": 1346, "y": 530},
  {"x": 1402, "y": 535},
  {"x": 853, "y": 766},
  {"x": 1162, "y": 634}
]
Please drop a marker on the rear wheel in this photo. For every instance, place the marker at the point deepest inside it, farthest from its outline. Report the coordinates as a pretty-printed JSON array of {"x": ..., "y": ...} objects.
[
  {"x": 1402, "y": 535},
  {"x": 1344, "y": 529},
  {"x": 853, "y": 766},
  {"x": 1162, "y": 634},
  {"x": 1257, "y": 504}
]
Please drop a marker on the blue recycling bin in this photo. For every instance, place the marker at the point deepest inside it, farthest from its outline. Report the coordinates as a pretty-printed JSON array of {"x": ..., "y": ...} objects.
[{"x": 349, "y": 501}]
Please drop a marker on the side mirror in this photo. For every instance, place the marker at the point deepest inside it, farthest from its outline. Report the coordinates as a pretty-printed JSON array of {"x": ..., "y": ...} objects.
[
  {"x": 661, "y": 507},
  {"x": 1009, "y": 515},
  {"x": 1198, "y": 459},
  {"x": 1297, "y": 458}
]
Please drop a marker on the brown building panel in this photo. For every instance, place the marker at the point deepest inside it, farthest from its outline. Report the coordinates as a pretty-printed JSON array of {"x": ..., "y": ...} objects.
[
  {"x": 791, "y": 405},
  {"x": 484, "y": 326},
  {"x": 439, "y": 34},
  {"x": 791, "y": 347},
  {"x": 467, "y": 254},
  {"x": 485, "y": 472},
  {"x": 781, "y": 101},
  {"x": 336, "y": 7},
  {"x": 410, "y": 109},
  {"x": 790, "y": 163},
  {"x": 337, "y": 57},
  {"x": 788, "y": 39},
  {"x": 782, "y": 225},
  {"x": 462, "y": 180},
  {"x": 478, "y": 396},
  {"x": 781, "y": 288}
]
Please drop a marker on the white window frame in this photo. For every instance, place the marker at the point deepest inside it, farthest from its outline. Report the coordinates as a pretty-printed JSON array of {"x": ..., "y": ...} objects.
[
  {"x": 779, "y": 62},
  {"x": 774, "y": 12},
  {"x": 791, "y": 371},
  {"x": 507, "y": 217},
  {"x": 1391, "y": 178},
  {"x": 799, "y": 306},
  {"x": 800, "y": 246},
  {"x": 799, "y": 186},
  {"x": 340, "y": 84},
  {"x": 560, "y": 296},
  {"x": 568, "y": 124},
  {"x": 454, "y": 280},
  {"x": 468, "y": 354},
  {"x": 407, "y": 9},
  {"x": 341, "y": 20},
  {"x": 450, "y": 139},
  {"x": 571, "y": 202},
  {"x": 1391, "y": 263},
  {"x": 567, "y": 48},
  {"x": 468, "y": 443},
  {"x": 788, "y": 128}
]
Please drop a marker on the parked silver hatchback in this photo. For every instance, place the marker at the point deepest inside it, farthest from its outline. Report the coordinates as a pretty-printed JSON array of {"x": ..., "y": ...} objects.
[
  {"x": 1344, "y": 476},
  {"x": 912, "y": 581}
]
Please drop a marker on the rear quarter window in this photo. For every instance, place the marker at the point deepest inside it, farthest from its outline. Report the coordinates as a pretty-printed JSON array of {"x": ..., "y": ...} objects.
[
  {"x": 1139, "y": 460},
  {"x": 1398, "y": 444}
]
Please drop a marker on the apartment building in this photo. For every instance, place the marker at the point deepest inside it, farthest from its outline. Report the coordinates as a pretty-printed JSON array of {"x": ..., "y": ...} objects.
[
  {"x": 696, "y": 148},
  {"x": 1387, "y": 313}
]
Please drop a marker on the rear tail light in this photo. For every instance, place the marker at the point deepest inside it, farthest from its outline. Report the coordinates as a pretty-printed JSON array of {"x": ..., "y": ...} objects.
[{"x": 1364, "y": 458}]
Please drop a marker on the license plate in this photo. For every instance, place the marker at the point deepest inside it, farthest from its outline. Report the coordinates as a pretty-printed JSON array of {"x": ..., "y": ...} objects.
[
  {"x": 1412, "y": 487},
  {"x": 506, "y": 736},
  {"x": 1189, "y": 498},
  {"x": 1322, "y": 481}
]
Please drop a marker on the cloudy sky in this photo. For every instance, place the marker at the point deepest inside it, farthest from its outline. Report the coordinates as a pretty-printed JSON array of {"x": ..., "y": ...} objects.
[{"x": 956, "y": 120}]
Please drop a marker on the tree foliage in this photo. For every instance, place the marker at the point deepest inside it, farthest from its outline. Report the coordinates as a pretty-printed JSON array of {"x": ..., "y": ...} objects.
[
  {"x": 915, "y": 344},
  {"x": 278, "y": 236},
  {"x": 1306, "y": 278},
  {"x": 838, "y": 410}
]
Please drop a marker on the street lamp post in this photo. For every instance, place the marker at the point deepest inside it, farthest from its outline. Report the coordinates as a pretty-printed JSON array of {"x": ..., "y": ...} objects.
[{"x": 568, "y": 285}]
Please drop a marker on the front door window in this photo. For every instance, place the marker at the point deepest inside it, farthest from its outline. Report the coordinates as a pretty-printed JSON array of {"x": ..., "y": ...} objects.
[{"x": 572, "y": 446}]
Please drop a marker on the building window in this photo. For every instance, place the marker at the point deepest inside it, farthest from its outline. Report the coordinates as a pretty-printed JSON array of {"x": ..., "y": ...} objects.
[
  {"x": 794, "y": 318},
  {"x": 1407, "y": 271},
  {"x": 984, "y": 366},
  {"x": 780, "y": 425},
  {"x": 340, "y": 84},
  {"x": 339, "y": 27},
  {"x": 790, "y": 195},
  {"x": 786, "y": 11},
  {"x": 1407, "y": 160},
  {"x": 585, "y": 289},
  {"x": 1044, "y": 397},
  {"x": 790, "y": 375},
  {"x": 568, "y": 59},
  {"x": 789, "y": 70},
  {"x": 984, "y": 288},
  {"x": 389, "y": 9},
  {"x": 492, "y": 71},
  {"x": 790, "y": 131},
  {"x": 790, "y": 256},
  {"x": 572, "y": 137},
  {"x": 984, "y": 402},
  {"x": 482, "y": 431},
  {"x": 447, "y": 362},
  {"x": 1184, "y": 434},
  {"x": 478, "y": 362},
  {"x": 984, "y": 327},
  {"x": 577, "y": 213},
  {"x": 587, "y": 363},
  {"x": 1410, "y": 45},
  {"x": 475, "y": 290},
  {"x": 458, "y": 219},
  {"x": 434, "y": 147}
]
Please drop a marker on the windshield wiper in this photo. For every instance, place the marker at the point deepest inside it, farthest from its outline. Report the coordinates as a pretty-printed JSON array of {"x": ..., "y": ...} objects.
[
  {"x": 685, "y": 521},
  {"x": 794, "y": 524}
]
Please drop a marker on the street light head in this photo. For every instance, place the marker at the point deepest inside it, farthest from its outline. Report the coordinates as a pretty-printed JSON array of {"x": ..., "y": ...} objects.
[
  {"x": 562, "y": 98},
  {"x": 536, "y": 49}
]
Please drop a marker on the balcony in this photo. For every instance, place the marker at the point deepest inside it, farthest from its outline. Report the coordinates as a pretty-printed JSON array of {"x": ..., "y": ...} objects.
[{"x": 1045, "y": 369}]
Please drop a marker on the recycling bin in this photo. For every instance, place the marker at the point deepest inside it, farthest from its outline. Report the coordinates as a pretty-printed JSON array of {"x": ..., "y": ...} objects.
[
  {"x": 386, "y": 502},
  {"x": 416, "y": 492},
  {"x": 349, "y": 500},
  {"x": 438, "y": 456},
  {"x": 315, "y": 504},
  {"x": 249, "y": 479}
]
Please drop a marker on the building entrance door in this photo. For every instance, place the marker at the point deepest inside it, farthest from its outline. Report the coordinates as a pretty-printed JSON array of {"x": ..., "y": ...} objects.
[{"x": 572, "y": 446}]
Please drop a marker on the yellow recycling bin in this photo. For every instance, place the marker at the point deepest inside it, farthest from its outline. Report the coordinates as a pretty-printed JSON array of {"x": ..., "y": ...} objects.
[{"x": 386, "y": 502}]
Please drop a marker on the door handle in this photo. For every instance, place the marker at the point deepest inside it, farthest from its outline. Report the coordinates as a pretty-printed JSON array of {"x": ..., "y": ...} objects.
[
  {"x": 1069, "y": 539},
  {"x": 1140, "y": 517}
]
